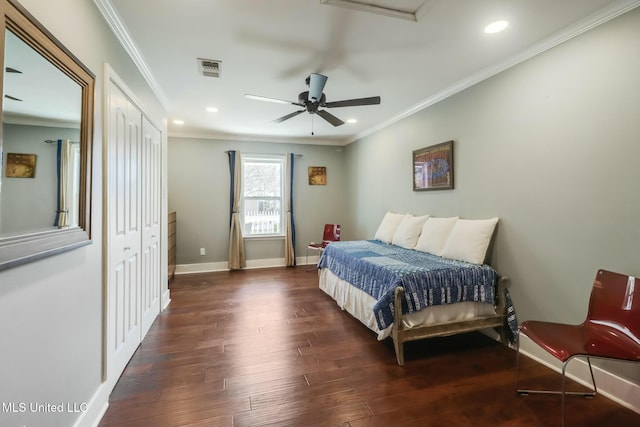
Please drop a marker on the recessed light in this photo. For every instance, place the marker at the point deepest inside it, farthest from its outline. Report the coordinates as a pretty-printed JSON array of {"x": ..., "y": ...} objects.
[
  {"x": 212, "y": 109},
  {"x": 178, "y": 122},
  {"x": 352, "y": 121},
  {"x": 496, "y": 27}
]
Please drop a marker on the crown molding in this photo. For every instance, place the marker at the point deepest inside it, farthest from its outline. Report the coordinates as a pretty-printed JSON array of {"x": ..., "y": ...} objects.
[
  {"x": 122, "y": 34},
  {"x": 598, "y": 18}
]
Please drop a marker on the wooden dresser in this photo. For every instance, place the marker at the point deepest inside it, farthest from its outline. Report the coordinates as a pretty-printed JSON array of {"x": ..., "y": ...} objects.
[{"x": 172, "y": 245}]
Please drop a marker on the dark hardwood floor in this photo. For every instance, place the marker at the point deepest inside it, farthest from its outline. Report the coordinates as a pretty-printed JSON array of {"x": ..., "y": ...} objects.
[{"x": 268, "y": 348}]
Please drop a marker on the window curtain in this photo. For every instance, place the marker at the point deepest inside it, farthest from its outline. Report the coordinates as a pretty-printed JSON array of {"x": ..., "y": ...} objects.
[
  {"x": 64, "y": 159},
  {"x": 237, "y": 259},
  {"x": 290, "y": 227}
]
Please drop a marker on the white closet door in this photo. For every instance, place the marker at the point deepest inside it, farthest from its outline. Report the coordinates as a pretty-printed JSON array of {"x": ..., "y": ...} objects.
[
  {"x": 151, "y": 183},
  {"x": 123, "y": 238}
]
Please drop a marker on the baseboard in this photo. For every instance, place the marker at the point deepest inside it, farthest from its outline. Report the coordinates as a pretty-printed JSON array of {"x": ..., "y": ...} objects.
[
  {"x": 313, "y": 259},
  {"x": 208, "y": 267},
  {"x": 166, "y": 299},
  {"x": 618, "y": 389},
  {"x": 95, "y": 408},
  {"x": 203, "y": 267}
]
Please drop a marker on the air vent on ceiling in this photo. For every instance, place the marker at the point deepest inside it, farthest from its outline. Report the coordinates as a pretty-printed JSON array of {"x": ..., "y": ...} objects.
[
  {"x": 210, "y": 67},
  {"x": 407, "y": 9}
]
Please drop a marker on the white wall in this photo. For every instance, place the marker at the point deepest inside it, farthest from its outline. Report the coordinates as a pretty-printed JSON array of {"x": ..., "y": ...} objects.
[
  {"x": 51, "y": 310},
  {"x": 551, "y": 147}
]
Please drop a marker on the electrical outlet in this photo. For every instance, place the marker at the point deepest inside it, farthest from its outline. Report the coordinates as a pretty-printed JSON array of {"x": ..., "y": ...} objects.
[{"x": 201, "y": 251}]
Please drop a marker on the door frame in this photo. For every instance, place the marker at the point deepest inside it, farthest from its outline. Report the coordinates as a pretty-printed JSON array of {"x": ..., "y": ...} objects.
[{"x": 111, "y": 77}]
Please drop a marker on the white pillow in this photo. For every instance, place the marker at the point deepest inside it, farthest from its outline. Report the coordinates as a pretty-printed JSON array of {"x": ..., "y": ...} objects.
[
  {"x": 388, "y": 226},
  {"x": 434, "y": 235},
  {"x": 408, "y": 231},
  {"x": 469, "y": 240}
]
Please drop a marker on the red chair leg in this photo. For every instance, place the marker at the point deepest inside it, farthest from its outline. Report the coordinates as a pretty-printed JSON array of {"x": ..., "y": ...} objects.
[{"x": 562, "y": 392}]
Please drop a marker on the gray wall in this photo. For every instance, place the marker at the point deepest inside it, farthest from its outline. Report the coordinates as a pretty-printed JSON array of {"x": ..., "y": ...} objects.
[
  {"x": 551, "y": 147},
  {"x": 51, "y": 311},
  {"x": 27, "y": 204},
  {"x": 198, "y": 173}
]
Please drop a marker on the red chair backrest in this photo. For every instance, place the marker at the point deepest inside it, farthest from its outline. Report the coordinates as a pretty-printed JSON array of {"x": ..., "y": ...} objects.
[
  {"x": 331, "y": 233},
  {"x": 615, "y": 300}
]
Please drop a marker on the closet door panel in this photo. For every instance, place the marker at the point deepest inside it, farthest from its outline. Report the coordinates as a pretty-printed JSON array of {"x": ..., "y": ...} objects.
[
  {"x": 123, "y": 231},
  {"x": 151, "y": 187}
]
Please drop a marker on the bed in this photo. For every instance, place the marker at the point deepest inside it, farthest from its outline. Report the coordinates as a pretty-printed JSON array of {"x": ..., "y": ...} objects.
[{"x": 409, "y": 294}]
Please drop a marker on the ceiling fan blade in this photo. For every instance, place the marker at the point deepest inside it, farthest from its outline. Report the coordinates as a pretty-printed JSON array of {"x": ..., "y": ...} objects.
[
  {"x": 316, "y": 86},
  {"x": 288, "y": 116},
  {"x": 329, "y": 117},
  {"x": 353, "y": 102},
  {"x": 265, "y": 98}
]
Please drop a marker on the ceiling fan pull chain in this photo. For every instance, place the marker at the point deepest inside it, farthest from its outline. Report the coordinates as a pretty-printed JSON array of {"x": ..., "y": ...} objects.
[{"x": 312, "y": 125}]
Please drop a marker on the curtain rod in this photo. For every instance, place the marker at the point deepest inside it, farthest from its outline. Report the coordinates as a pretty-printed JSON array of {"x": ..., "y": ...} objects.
[
  {"x": 297, "y": 155},
  {"x": 51, "y": 141}
]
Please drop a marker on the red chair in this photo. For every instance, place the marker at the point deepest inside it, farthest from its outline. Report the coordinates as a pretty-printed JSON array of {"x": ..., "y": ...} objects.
[
  {"x": 331, "y": 234},
  {"x": 611, "y": 330}
]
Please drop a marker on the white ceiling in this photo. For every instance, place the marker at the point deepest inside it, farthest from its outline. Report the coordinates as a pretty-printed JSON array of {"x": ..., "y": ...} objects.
[{"x": 269, "y": 47}]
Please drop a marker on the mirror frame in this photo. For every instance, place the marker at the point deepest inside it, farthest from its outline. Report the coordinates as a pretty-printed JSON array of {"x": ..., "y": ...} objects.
[{"x": 22, "y": 248}]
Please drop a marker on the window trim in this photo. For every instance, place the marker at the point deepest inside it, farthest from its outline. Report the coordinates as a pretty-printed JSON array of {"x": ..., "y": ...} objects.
[{"x": 264, "y": 158}]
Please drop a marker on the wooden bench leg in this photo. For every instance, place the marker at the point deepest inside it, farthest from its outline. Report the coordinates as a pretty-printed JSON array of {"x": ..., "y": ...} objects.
[
  {"x": 399, "y": 347},
  {"x": 396, "y": 329}
]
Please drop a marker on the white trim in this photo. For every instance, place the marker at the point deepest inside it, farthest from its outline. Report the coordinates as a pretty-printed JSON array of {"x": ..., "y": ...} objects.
[
  {"x": 208, "y": 267},
  {"x": 111, "y": 77},
  {"x": 606, "y": 14},
  {"x": 166, "y": 299},
  {"x": 313, "y": 259},
  {"x": 609, "y": 385},
  {"x": 122, "y": 34},
  {"x": 202, "y": 267},
  {"x": 265, "y": 263},
  {"x": 612, "y": 11},
  {"x": 96, "y": 408},
  {"x": 204, "y": 134}
]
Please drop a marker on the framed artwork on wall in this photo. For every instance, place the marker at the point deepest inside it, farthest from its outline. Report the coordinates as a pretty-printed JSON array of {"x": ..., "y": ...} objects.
[
  {"x": 433, "y": 167},
  {"x": 21, "y": 165},
  {"x": 317, "y": 175}
]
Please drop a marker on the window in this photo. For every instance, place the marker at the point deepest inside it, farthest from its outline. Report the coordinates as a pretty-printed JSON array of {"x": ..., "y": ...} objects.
[{"x": 262, "y": 195}]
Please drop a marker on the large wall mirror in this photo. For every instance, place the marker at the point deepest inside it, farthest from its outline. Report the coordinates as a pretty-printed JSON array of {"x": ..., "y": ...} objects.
[{"x": 47, "y": 131}]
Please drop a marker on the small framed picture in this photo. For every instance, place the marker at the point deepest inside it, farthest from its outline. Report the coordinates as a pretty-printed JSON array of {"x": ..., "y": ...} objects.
[
  {"x": 433, "y": 167},
  {"x": 317, "y": 175},
  {"x": 21, "y": 165}
]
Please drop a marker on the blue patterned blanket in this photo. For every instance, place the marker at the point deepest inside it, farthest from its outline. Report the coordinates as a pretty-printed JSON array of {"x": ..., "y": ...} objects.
[{"x": 378, "y": 268}]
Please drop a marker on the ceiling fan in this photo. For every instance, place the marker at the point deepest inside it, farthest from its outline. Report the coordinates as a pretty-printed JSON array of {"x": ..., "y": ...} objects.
[{"x": 314, "y": 98}]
